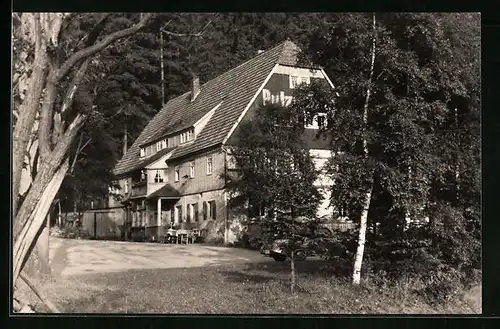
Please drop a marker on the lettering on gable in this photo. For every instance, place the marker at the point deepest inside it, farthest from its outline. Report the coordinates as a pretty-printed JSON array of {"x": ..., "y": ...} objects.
[{"x": 269, "y": 98}]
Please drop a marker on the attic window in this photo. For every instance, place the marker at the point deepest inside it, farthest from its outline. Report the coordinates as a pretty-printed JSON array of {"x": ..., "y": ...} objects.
[
  {"x": 158, "y": 177},
  {"x": 296, "y": 81},
  {"x": 187, "y": 136},
  {"x": 160, "y": 145},
  {"x": 143, "y": 152}
]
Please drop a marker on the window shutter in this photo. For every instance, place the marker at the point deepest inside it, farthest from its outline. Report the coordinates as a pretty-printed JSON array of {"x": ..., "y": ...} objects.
[
  {"x": 180, "y": 214},
  {"x": 189, "y": 213},
  {"x": 204, "y": 210},
  {"x": 214, "y": 210},
  {"x": 195, "y": 206}
]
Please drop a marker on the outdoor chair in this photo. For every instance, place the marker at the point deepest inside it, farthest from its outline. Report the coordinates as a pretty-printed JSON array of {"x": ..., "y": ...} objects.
[{"x": 182, "y": 236}]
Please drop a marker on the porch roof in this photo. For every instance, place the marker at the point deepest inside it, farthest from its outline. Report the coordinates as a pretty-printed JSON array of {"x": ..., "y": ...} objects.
[{"x": 167, "y": 191}]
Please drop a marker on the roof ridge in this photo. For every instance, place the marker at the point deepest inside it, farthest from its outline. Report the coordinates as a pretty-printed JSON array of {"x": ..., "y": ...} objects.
[
  {"x": 245, "y": 62},
  {"x": 281, "y": 44}
]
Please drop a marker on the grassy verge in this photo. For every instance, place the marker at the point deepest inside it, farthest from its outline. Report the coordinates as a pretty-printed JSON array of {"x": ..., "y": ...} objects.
[{"x": 237, "y": 289}]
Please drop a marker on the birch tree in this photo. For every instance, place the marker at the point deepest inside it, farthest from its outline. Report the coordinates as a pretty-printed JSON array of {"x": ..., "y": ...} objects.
[{"x": 408, "y": 145}]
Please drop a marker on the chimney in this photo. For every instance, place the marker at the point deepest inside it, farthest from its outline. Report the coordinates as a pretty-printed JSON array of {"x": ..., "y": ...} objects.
[{"x": 195, "y": 87}]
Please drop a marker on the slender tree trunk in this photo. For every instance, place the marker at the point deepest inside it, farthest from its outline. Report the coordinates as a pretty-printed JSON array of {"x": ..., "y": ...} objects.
[
  {"x": 292, "y": 272},
  {"x": 125, "y": 141},
  {"x": 59, "y": 213},
  {"x": 358, "y": 261}
]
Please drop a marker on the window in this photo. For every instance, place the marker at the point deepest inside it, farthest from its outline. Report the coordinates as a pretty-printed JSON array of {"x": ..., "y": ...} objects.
[
  {"x": 158, "y": 177},
  {"x": 178, "y": 214},
  {"x": 144, "y": 175},
  {"x": 209, "y": 166},
  {"x": 295, "y": 81},
  {"x": 189, "y": 213},
  {"x": 315, "y": 122},
  {"x": 213, "y": 210},
  {"x": 126, "y": 186},
  {"x": 192, "y": 214},
  {"x": 164, "y": 144},
  {"x": 309, "y": 120},
  {"x": 177, "y": 173},
  {"x": 209, "y": 210},
  {"x": 321, "y": 120},
  {"x": 195, "y": 211},
  {"x": 143, "y": 152},
  {"x": 187, "y": 136},
  {"x": 191, "y": 169}
]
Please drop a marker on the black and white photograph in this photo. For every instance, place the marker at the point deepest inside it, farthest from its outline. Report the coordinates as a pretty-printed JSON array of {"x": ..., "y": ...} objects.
[{"x": 249, "y": 163}]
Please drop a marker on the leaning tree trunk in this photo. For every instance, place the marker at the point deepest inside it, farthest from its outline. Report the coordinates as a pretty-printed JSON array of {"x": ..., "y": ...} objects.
[
  {"x": 38, "y": 262},
  {"x": 41, "y": 30},
  {"x": 358, "y": 261}
]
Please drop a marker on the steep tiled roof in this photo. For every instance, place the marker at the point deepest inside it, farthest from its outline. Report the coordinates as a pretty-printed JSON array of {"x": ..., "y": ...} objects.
[{"x": 235, "y": 88}]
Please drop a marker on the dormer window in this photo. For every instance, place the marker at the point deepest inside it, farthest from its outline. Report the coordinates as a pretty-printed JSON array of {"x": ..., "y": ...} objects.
[
  {"x": 158, "y": 177},
  {"x": 187, "y": 136},
  {"x": 143, "y": 152},
  {"x": 160, "y": 145},
  {"x": 296, "y": 81}
]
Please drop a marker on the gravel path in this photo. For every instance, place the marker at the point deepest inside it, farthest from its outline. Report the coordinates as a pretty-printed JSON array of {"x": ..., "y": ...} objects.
[{"x": 75, "y": 257}]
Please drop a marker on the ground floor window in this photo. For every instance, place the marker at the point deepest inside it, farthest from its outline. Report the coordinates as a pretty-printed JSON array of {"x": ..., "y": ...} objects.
[
  {"x": 178, "y": 214},
  {"x": 192, "y": 212},
  {"x": 209, "y": 210}
]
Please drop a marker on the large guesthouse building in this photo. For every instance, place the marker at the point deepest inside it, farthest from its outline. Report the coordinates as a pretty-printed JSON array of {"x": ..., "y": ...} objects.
[{"x": 173, "y": 174}]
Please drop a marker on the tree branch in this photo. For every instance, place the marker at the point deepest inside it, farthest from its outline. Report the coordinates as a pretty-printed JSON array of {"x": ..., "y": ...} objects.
[
  {"x": 199, "y": 34},
  {"x": 47, "y": 110},
  {"x": 79, "y": 149},
  {"x": 86, "y": 52},
  {"x": 94, "y": 33}
]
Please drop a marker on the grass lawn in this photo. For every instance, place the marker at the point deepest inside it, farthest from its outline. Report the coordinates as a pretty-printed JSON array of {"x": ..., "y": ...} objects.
[{"x": 249, "y": 288}]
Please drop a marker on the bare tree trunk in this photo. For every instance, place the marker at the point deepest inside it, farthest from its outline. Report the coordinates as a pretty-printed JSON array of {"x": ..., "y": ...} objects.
[
  {"x": 40, "y": 29},
  {"x": 358, "y": 261},
  {"x": 28, "y": 109},
  {"x": 292, "y": 270},
  {"x": 38, "y": 262},
  {"x": 36, "y": 219}
]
